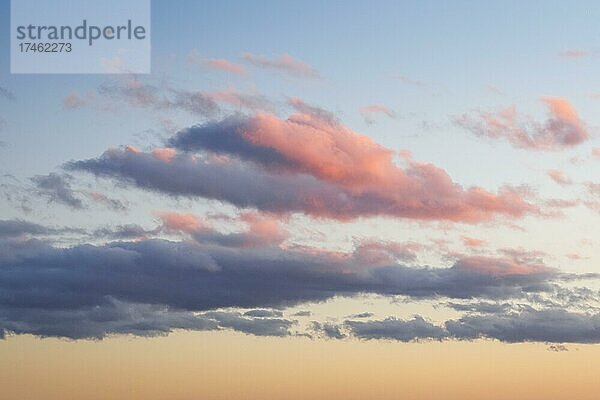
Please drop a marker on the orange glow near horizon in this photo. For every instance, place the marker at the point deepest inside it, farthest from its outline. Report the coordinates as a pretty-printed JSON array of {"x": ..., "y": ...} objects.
[{"x": 225, "y": 365}]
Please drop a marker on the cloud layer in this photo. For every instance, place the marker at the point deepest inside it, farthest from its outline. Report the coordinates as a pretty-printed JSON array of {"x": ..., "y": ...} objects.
[{"x": 308, "y": 163}]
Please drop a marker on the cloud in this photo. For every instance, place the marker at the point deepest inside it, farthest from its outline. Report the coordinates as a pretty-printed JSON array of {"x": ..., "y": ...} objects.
[
  {"x": 261, "y": 313},
  {"x": 473, "y": 242},
  {"x": 241, "y": 101},
  {"x": 409, "y": 81},
  {"x": 101, "y": 198},
  {"x": 284, "y": 63},
  {"x": 529, "y": 325},
  {"x": 559, "y": 177},
  {"x": 46, "y": 289},
  {"x": 142, "y": 95},
  {"x": 18, "y": 227},
  {"x": 127, "y": 231},
  {"x": 368, "y": 112},
  {"x": 307, "y": 163},
  {"x": 361, "y": 315},
  {"x": 563, "y": 128},
  {"x": 557, "y": 348},
  {"x": 328, "y": 330},
  {"x": 573, "y": 53},
  {"x": 57, "y": 189},
  {"x": 525, "y": 325},
  {"x": 397, "y": 329},
  {"x": 226, "y": 66},
  {"x": 7, "y": 94},
  {"x": 263, "y": 230},
  {"x": 255, "y": 326}
]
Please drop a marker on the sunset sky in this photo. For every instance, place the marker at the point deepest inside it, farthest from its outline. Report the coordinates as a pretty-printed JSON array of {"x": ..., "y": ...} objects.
[{"x": 309, "y": 200}]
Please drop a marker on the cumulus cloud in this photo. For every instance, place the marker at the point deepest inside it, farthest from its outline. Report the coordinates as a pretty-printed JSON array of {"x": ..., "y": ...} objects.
[
  {"x": 563, "y": 128},
  {"x": 283, "y": 63},
  {"x": 307, "y": 163}
]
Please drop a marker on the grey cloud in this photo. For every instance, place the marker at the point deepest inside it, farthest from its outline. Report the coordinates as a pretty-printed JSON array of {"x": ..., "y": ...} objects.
[
  {"x": 57, "y": 189},
  {"x": 51, "y": 282},
  {"x": 17, "y": 227},
  {"x": 396, "y": 329},
  {"x": 254, "y": 326},
  {"x": 547, "y": 325},
  {"x": 143, "y": 95},
  {"x": 261, "y": 313},
  {"x": 7, "y": 94},
  {"x": 329, "y": 330},
  {"x": 361, "y": 315}
]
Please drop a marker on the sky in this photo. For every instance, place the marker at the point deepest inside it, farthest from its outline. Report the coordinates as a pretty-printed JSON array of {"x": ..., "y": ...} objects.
[{"x": 314, "y": 200}]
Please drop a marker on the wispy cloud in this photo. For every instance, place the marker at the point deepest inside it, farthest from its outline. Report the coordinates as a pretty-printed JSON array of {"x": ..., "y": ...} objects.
[
  {"x": 283, "y": 63},
  {"x": 368, "y": 112},
  {"x": 563, "y": 128},
  {"x": 574, "y": 53}
]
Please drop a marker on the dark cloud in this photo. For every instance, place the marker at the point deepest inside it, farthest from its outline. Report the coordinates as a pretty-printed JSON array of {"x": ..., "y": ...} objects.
[
  {"x": 254, "y": 326},
  {"x": 38, "y": 280},
  {"x": 57, "y": 189},
  {"x": 361, "y": 315},
  {"x": 261, "y": 313},
  {"x": 225, "y": 137},
  {"x": 396, "y": 329},
  {"x": 302, "y": 313},
  {"x": 481, "y": 307},
  {"x": 529, "y": 325},
  {"x": 557, "y": 348},
  {"x": 328, "y": 330},
  {"x": 17, "y": 227}
]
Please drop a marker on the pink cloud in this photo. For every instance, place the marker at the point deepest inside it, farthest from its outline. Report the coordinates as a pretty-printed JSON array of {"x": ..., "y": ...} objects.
[
  {"x": 262, "y": 229},
  {"x": 183, "y": 222},
  {"x": 368, "y": 111},
  {"x": 574, "y": 53},
  {"x": 562, "y": 129},
  {"x": 164, "y": 154},
  {"x": 501, "y": 266},
  {"x": 596, "y": 152},
  {"x": 379, "y": 253},
  {"x": 559, "y": 177},
  {"x": 224, "y": 65},
  {"x": 473, "y": 242},
  {"x": 284, "y": 63},
  {"x": 309, "y": 163}
]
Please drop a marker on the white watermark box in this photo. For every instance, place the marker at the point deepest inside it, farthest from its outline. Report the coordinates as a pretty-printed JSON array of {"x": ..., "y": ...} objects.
[{"x": 80, "y": 36}]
